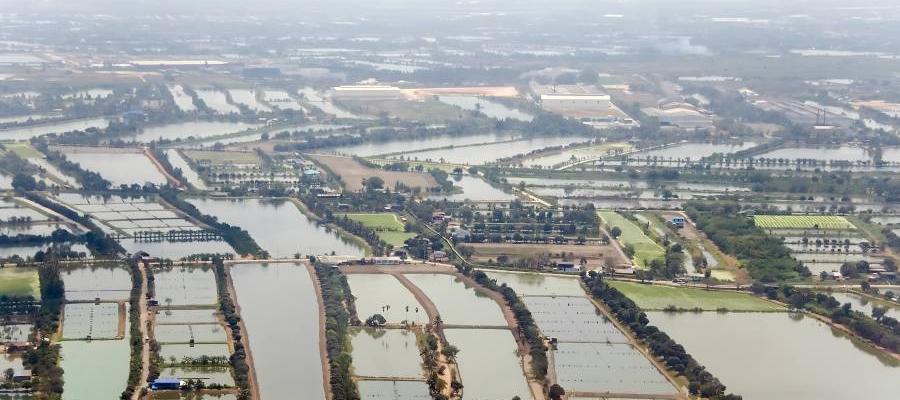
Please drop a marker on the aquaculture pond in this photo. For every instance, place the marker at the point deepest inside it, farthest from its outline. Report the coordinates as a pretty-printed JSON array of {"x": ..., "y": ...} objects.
[
  {"x": 393, "y": 390},
  {"x": 173, "y": 353},
  {"x": 247, "y": 97},
  {"x": 28, "y": 132},
  {"x": 181, "y": 286},
  {"x": 599, "y": 367},
  {"x": 529, "y": 284},
  {"x": 475, "y": 189},
  {"x": 377, "y": 148},
  {"x": 572, "y": 319},
  {"x": 199, "y": 316},
  {"x": 183, "y": 101},
  {"x": 693, "y": 151},
  {"x": 208, "y": 375},
  {"x": 119, "y": 168},
  {"x": 489, "y": 365},
  {"x": 771, "y": 358},
  {"x": 20, "y": 281},
  {"x": 278, "y": 226},
  {"x": 217, "y": 101},
  {"x": 178, "y": 161},
  {"x": 841, "y": 153},
  {"x": 193, "y": 129},
  {"x": 457, "y": 303},
  {"x": 385, "y": 353},
  {"x": 314, "y": 98},
  {"x": 490, "y": 108},
  {"x": 91, "y": 321},
  {"x": 96, "y": 369},
  {"x": 106, "y": 283},
  {"x": 176, "y": 250},
  {"x": 279, "y": 301},
  {"x": 383, "y": 294}
]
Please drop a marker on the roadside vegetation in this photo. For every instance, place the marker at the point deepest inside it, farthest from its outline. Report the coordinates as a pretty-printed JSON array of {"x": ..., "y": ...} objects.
[{"x": 335, "y": 293}]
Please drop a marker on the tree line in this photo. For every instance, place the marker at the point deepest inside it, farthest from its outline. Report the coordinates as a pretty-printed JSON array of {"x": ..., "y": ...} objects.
[
  {"x": 238, "y": 358},
  {"x": 335, "y": 293}
]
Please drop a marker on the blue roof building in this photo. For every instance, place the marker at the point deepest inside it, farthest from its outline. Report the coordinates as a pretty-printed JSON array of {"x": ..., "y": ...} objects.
[{"x": 166, "y": 383}]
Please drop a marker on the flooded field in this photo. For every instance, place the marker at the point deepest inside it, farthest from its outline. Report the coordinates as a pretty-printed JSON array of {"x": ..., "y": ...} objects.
[
  {"x": 489, "y": 366},
  {"x": 457, "y": 303},
  {"x": 491, "y": 152},
  {"x": 279, "y": 300},
  {"x": 278, "y": 226},
  {"x": 25, "y": 133},
  {"x": 119, "y": 168},
  {"x": 385, "y": 352},
  {"x": 475, "y": 189},
  {"x": 772, "y": 357},
  {"x": 187, "y": 130},
  {"x": 20, "y": 281},
  {"x": 383, "y": 294},
  {"x": 15, "y": 332},
  {"x": 486, "y": 107},
  {"x": 217, "y": 101}
]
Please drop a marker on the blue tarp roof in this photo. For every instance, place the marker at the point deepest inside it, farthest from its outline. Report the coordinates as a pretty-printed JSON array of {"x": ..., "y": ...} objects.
[{"x": 168, "y": 379}]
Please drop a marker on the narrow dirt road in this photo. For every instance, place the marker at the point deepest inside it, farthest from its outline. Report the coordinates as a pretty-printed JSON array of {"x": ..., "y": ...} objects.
[{"x": 145, "y": 349}]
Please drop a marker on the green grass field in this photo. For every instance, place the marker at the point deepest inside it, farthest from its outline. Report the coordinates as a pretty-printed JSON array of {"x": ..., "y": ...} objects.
[
  {"x": 23, "y": 150},
  {"x": 645, "y": 249},
  {"x": 658, "y": 297},
  {"x": 823, "y": 222},
  {"x": 387, "y": 225},
  {"x": 20, "y": 282}
]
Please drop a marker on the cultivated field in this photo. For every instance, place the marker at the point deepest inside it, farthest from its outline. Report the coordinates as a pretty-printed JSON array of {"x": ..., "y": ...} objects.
[
  {"x": 645, "y": 249},
  {"x": 388, "y": 227},
  {"x": 423, "y": 111},
  {"x": 352, "y": 173},
  {"x": 19, "y": 282},
  {"x": 824, "y": 222},
  {"x": 658, "y": 297},
  {"x": 595, "y": 254}
]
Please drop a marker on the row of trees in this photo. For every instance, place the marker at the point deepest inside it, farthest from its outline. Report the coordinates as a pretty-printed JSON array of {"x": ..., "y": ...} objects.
[
  {"x": 134, "y": 323},
  {"x": 95, "y": 239},
  {"x": 335, "y": 293},
  {"x": 238, "y": 359},
  {"x": 701, "y": 382}
]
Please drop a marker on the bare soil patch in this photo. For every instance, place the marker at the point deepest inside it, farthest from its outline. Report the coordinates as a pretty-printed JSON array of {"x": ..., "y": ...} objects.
[{"x": 352, "y": 173}]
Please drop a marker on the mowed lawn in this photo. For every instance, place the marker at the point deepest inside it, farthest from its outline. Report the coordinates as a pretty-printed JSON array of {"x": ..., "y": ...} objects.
[
  {"x": 645, "y": 249},
  {"x": 19, "y": 282},
  {"x": 823, "y": 222},
  {"x": 658, "y": 297},
  {"x": 387, "y": 225}
]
